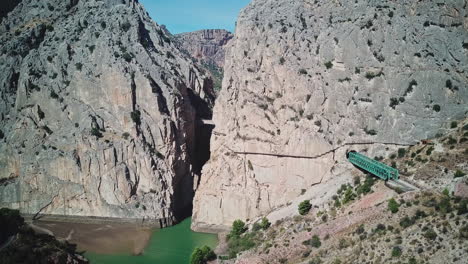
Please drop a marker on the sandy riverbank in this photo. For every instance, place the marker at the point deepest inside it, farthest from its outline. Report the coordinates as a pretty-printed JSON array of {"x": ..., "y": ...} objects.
[{"x": 101, "y": 238}]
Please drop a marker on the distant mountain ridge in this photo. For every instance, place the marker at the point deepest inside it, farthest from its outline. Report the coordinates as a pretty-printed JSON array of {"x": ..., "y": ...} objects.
[{"x": 207, "y": 45}]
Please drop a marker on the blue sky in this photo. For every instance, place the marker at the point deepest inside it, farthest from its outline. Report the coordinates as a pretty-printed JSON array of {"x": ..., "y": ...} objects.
[{"x": 190, "y": 15}]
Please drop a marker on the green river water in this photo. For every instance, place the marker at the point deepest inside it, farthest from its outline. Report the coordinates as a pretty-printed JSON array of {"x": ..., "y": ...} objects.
[{"x": 172, "y": 245}]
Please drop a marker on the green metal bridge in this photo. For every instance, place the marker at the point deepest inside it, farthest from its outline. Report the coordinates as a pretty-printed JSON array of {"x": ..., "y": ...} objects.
[{"x": 379, "y": 169}]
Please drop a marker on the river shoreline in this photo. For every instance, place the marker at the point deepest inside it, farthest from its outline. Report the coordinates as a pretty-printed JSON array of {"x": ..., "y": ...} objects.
[
  {"x": 152, "y": 223},
  {"x": 98, "y": 235}
]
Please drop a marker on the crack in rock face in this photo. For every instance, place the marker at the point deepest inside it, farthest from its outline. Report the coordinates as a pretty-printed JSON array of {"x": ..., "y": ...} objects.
[
  {"x": 303, "y": 78},
  {"x": 98, "y": 112}
]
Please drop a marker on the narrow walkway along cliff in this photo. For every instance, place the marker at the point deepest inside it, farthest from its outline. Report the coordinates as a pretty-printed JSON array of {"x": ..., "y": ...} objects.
[{"x": 305, "y": 77}]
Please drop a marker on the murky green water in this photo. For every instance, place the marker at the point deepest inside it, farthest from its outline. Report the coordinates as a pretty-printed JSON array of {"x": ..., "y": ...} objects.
[{"x": 172, "y": 245}]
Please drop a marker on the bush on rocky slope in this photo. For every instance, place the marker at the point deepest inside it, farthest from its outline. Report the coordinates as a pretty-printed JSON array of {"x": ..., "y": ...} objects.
[{"x": 26, "y": 246}]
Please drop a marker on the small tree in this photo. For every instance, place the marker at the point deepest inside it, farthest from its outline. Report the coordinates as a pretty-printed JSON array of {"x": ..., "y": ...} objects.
[
  {"x": 96, "y": 132},
  {"x": 401, "y": 152},
  {"x": 315, "y": 241},
  {"x": 238, "y": 228},
  {"x": 202, "y": 255},
  {"x": 136, "y": 117},
  {"x": 304, "y": 207},
  {"x": 396, "y": 252},
  {"x": 265, "y": 224},
  {"x": 393, "y": 206}
]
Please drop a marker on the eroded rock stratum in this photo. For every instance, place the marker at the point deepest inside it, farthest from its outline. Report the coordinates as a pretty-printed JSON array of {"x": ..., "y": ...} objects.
[
  {"x": 318, "y": 78},
  {"x": 97, "y": 115},
  {"x": 207, "y": 45}
]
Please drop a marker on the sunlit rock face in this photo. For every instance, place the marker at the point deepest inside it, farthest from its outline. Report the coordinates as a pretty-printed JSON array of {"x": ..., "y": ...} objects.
[
  {"x": 308, "y": 80},
  {"x": 207, "y": 45},
  {"x": 97, "y": 115}
]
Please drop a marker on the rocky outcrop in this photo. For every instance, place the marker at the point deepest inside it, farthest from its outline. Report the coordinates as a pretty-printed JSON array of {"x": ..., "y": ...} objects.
[
  {"x": 98, "y": 114},
  {"x": 20, "y": 244},
  {"x": 305, "y": 81},
  {"x": 207, "y": 45}
]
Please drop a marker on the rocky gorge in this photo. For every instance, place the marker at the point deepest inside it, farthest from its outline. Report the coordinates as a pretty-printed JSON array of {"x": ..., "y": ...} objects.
[
  {"x": 107, "y": 116},
  {"x": 99, "y": 113}
]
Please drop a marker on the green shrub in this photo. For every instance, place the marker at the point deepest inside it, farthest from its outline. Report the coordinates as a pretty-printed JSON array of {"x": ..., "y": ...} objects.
[
  {"x": 343, "y": 243},
  {"x": 10, "y": 222},
  {"x": 304, "y": 207},
  {"x": 240, "y": 243},
  {"x": 454, "y": 124},
  {"x": 265, "y": 224},
  {"x": 79, "y": 66},
  {"x": 367, "y": 186},
  {"x": 202, "y": 255},
  {"x": 393, "y": 206},
  {"x": 360, "y": 229},
  {"x": 96, "y": 132},
  {"x": 127, "y": 57},
  {"x": 420, "y": 214},
  {"x": 459, "y": 174},
  {"x": 1, "y": 134},
  {"x": 429, "y": 151},
  {"x": 54, "y": 95},
  {"x": 371, "y": 132},
  {"x": 238, "y": 228},
  {"x": 396, "y": 252},
  {"x": 315, "y": 241},
  {"x": 430, "y": 234},
  {"x": 250, "y": 165},
  {"x": 357, "y": 180},
  {"x": 282, "y": 61},
  {"x": 256, "y": 226},
  {"x": 125, "y": 26},
  {"x": 303, "y": 71},
  {"x": 372, "y": 75},
  {"x": 446, "y": 192},
  {"x": 393, "y": 102},
  {"x": 444, "y": 205},
  {"x": 464, "y": 232},
  {"x": 348, "y": 196},
  {"x": 462, "y": 207},
  {"x": 379, "y": 228},
  {"x": 125, "y": 135},
  {"x": 328, "y": 64},
  {"x": 315, "y": 260},
  {"x": 407, "y": 222},
  {"x": 436, "y": 108},
  {"x": 401, "y": 152},
  {"x": 451, "y": 141},
  {"x": 136, "y": 117}
]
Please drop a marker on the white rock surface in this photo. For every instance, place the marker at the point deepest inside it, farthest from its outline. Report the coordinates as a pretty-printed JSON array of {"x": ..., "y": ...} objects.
[
  {"x": 71, "y": 70},
  {"x": 391, "y": 66}
]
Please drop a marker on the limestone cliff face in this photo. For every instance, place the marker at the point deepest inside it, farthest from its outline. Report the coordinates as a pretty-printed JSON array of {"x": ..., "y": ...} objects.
[
  {"x": 99, "y": 112},
  {"x": 309, "y": 80},
  {"x": 207, "y": 45}
]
